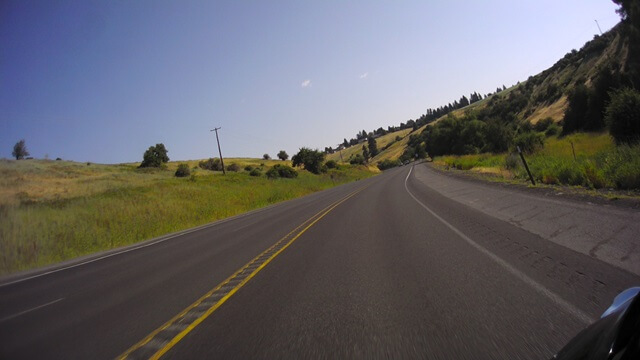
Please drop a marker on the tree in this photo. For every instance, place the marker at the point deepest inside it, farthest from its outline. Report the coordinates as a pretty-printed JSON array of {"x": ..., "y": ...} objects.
[
  {"x": 373, "y": 147},
  {"x": 365, "y": 153},
  {"x": 282, "y": 155},
  {"x": 20, "y": 150},
  {"x": 345, "y": 143},
  {"x": 266, "y": 157},
  {"x": 577, "y": 110},
  {"x": 310, "y": 159},
  {"x": 623, "y": 116},
  {"x": 155, "y": 156}
]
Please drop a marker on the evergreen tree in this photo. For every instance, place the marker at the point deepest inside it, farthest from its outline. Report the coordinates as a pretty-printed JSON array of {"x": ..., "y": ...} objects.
[
  {"x": 373, "y": 146},
  {"x": 365, "y": 153}
]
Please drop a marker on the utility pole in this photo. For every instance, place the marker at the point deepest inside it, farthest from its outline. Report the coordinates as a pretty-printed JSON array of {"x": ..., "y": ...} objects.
[
  {"x": 219, "y": 151},
  {"x": 598, "y": 26}
]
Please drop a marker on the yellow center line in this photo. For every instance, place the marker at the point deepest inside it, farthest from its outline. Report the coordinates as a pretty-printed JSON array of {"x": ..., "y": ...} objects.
[{"x": 309, "y": 223}]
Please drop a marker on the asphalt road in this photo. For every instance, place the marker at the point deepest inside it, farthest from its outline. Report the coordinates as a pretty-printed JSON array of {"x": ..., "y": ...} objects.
[{"x": 391, "y": 266}]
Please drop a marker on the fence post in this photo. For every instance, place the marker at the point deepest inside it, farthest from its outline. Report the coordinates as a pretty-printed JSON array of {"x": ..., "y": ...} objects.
[{"x": 525, "y": 165}]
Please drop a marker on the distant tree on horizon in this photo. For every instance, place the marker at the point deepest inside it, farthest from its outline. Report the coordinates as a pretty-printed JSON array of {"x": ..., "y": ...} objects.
[
  {"x": 282, "y": 155},
  {"x": 20, "y": 150},
  {"x": 266, "y": 157},
  {"x": 155, "y": 156}
]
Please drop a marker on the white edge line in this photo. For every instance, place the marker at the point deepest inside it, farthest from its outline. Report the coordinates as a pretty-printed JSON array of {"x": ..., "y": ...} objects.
[
  {"x": 30, "y": 310},
  {"x": 579, "y": 314},
  {"x": 151, "y": 242}
]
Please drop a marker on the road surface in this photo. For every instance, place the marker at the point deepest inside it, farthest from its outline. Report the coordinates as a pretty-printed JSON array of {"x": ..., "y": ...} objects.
[{"x": 410, "y": 263}]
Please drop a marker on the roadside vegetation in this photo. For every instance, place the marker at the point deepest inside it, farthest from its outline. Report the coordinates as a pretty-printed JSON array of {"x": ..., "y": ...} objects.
[
  {"x": 598, "y": 163},
  {"x": 52, "y": 211}
]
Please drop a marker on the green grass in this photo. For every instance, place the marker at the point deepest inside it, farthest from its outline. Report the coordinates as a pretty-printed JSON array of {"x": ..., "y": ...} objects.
[
  {"x": 598, "y": 163},
  {"x": 65, "y": 210}
]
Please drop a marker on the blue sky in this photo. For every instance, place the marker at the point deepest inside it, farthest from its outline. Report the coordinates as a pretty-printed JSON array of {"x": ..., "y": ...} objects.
[{"x": 101, "y": 81}]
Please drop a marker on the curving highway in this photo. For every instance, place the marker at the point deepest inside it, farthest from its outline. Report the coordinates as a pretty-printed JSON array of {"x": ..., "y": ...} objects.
[{"x": 411, "y": 263}]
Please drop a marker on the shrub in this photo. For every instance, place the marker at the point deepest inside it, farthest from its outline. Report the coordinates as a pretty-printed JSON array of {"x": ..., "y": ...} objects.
[
  {"x": 595, "y": 177},
  {"x": 357, "y": 160},
  {"x": 331, "y": 164},
  {"x": 529, "y": 142},
  {"x": 155, "y": 156},
  {"x": 281, "y": 171},
  {"x": 570, "y": 174},
  {"x": 255, "y": 172},
  {"x": 248, "y": 168},
  {"x": 183, "y": 170},
  {"x": 543, "y": 125},
  {"x": 512, "y": 161},
  {"x": 398, "y": 137},
  {"x": 233, "y": 167},
  {"x": 388, "y": 164},
  {"x": 552, "y": 130},
  {"x": 310, "y": 159},
  {"x": 623, "y": 116},
  {"x": 211, "y": 164},
  {"x": 628, "y": 176}
]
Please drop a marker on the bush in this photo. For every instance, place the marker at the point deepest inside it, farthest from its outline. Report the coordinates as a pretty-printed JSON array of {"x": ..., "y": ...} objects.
[
  {"x": 357, "y": 160},
  {"x": 621, "y": 166},
  {"x": 552, "y": 130},
  {"x": 266, "y": 157},
  {"x": 183, "y": 170},
  {"x": 255, "y": 172},
  {"x": 595, "y": 177},
  {"x": 622, "y": 115},
  {"x": 233, "y": 167},
  {"x": 211, "y": 164},
  {"x": 512, "y": 161},
  {"x": 543, "y": 125},
  {"x": 310, "y": 159},
  {"x": 529, "y": 142},
  {"x": 155, "y": 156},
  {"x": 388, "y": 164},
  {"x": 331, "y": 164},
  {"x": 283, "y": 171},
  {"x": 570, "y": 174},
  {"x": 248, "y": 168}
]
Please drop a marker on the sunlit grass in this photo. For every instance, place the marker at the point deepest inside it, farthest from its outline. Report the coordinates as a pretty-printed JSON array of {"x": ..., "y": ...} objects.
[
  {"x": 597, "y": 163},
  {"x": 66, "y": 211}
]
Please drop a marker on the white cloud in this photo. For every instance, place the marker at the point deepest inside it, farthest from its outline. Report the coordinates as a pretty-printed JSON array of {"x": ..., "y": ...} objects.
[
  {"x": 306, "y": 83},
  {"x": 364, "y": 76}
]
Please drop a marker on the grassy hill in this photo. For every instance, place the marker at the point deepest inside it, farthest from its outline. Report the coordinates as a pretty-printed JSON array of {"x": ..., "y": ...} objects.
[
  {"x": 389, "y": 142},
  {"x": 51, "y": 211},
  {"x": 540, "y": 97}
]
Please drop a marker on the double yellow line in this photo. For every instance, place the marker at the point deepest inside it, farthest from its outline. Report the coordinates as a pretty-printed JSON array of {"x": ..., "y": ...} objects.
[{"x": 161, "y": 340}]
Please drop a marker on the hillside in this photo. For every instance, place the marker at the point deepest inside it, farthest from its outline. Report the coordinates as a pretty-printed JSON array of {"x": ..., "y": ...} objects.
[
  {"x": 596, "y": 65},
  {"x": 52, "y": 211}
]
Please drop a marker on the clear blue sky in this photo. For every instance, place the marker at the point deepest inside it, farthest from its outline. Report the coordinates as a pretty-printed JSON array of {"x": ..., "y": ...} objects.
[{"x": 101, "y": 81}]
